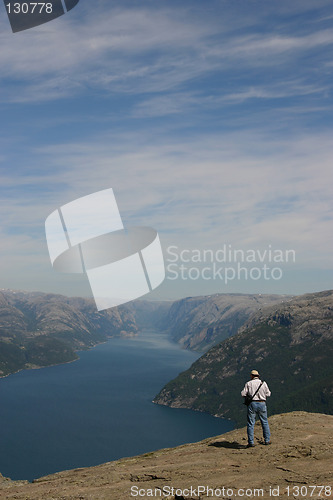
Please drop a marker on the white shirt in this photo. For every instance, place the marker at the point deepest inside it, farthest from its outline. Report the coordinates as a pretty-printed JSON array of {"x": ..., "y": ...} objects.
[{"x": 251, "y": 387}]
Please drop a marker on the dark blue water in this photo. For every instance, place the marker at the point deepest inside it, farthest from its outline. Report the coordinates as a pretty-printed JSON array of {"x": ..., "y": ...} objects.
[{"x": 96, "y": 409}]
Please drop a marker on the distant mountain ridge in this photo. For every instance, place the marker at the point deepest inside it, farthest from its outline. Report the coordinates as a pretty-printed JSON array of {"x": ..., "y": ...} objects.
[
  {"x": 40, "y": 329},
  {"x": 291, "y": 345},
  {"x": 198, "y": 323}
]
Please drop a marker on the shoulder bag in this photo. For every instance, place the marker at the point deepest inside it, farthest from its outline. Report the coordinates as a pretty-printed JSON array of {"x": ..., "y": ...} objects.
[{"x": 248, "y": 399}]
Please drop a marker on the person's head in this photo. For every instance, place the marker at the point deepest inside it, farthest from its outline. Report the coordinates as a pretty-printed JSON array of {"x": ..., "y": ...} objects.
[{"x": 254, "y": 374}]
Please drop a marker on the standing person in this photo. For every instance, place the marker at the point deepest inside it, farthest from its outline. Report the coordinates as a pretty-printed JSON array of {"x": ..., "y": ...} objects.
[{"x": 259, "y": 391}]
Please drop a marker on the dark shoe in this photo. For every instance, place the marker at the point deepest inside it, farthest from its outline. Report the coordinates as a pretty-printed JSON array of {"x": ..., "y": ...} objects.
[
  {"x": 250, "y": 445},
  {"x": 268, "y": 442}
]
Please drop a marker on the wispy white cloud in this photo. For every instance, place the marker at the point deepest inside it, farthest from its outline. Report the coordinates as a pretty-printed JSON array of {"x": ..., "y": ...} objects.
[
  {"x": 177, "y": 102},
  {"x": 262, "y": 48},
  {"x": 232, "y": 161},
  {"x": 137, "y": 50},
  {"x": 209, "y": 185},
  {"x": 246, "y": 188}
]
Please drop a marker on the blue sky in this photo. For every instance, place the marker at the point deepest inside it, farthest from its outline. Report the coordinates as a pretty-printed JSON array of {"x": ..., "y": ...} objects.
[{"x": 211, "y": 120}]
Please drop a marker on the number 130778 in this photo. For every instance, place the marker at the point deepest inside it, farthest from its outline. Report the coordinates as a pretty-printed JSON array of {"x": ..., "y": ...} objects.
[{"x": 29, "y": 8}]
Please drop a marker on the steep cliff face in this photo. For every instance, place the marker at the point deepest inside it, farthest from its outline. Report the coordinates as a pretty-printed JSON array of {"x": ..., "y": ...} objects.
[
  {"x": 292, "y": 347},
  {"x": 198, "y": 323},
  {"x": 300, "y": 456}
]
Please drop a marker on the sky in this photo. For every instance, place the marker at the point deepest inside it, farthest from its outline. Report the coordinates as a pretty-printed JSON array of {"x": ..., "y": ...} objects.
[{"x": 211, "y": 120}]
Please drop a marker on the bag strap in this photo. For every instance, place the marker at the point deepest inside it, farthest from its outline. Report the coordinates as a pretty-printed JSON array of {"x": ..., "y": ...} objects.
[{"x": 257, "y": 390}]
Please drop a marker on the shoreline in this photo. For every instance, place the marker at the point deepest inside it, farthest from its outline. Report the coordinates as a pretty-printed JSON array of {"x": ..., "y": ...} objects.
[
  {"x": 36, "y": 367},
  {"x": 84, "y": 393}
]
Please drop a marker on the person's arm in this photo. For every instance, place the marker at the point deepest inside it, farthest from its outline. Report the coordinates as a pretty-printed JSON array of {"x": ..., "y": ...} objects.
[
  {"x": 267, "y": 391},
  {"x": 245, "y": 390}
]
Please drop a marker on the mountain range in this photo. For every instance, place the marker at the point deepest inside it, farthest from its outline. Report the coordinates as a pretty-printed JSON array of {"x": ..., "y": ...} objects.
[
  {"x": 290, "y": 344},
  {"x": 198, "y": 323},
  {"x": 41, "y": 329},
  {"x": 288, "y": 339}
]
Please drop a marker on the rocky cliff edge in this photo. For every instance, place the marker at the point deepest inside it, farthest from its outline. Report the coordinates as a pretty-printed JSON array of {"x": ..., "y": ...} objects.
[{"x": 298, "y": 464}]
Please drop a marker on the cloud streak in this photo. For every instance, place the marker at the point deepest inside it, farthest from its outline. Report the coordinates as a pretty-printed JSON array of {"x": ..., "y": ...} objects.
[
  {"x": 205, "y": 185},
  {"x": 211, "y": 125},
  {"x": 143, "y": 50}
]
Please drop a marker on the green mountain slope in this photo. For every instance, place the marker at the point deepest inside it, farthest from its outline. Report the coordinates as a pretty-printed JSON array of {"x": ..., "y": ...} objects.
[
  {"x": 292, "y": 347},
  {"x": 38, "y": 329}
]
